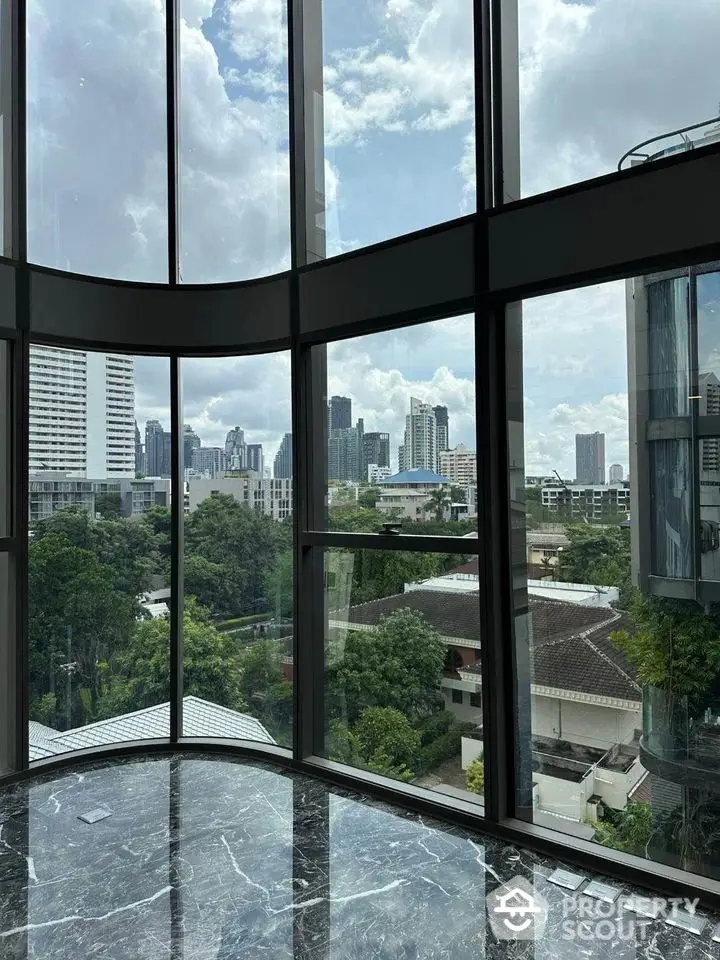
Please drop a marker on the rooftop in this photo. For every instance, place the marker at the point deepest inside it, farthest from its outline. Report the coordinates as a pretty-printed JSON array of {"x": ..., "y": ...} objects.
[
  {"x": 200, "y": 719},
  {"x": 416, "y": 475}
]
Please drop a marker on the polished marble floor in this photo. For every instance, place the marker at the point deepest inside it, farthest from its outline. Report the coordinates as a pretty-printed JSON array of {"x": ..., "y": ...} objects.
[{"x": 200, "y": 857}]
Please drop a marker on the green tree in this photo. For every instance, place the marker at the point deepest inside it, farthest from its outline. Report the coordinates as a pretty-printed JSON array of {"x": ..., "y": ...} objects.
[
  {"x": 76, "y": 618},
  {"x": 675, "y": 645},
  {"x": 382, "y": 741},
  {"x": 368, "y": 497},
  {"x": 108, "y": 505},
  {"x": 458, "y": 494},
  {"x": 139, "y": 675},
  {"x": 399, "y": 665},
  {"x": 279, "y": 585},
  {"x": 438, "y": 501},
  {"x": 627, "y": 830},
  {"x": 206, "y": 581},
  {"x": 353, "y": 518},
  {"x": 475, "y": 776},
  {"x": 383, "y": 573},
  {"x": 599, "y": 556},
  {"x": 263, "y": 687},
  {"x": 243, "y": 542}
]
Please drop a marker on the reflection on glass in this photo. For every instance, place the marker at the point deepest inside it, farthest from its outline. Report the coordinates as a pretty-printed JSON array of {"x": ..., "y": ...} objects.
[
  {"x": 233, "y": 143},
  {"x": 668, "y": 348},
  {"x": 401, "y": 430},
  {"x": 99, "y": 551},
  {"x": 397, "y": 112},
  {"x": 619, "y": 96},
  {"x": 671, "y": 493},
  {"x": 402, "y": 672},
  {"x": 96, "y": 131},
  {"x": 238, "y": 560},
  {"x": 5, "y": 437},
  {"x": 617, "y": 617},
  {"x": 7, "y": 675}
]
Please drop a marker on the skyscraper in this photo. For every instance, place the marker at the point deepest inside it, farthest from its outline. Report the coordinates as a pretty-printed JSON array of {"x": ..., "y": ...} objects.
[
  {"x": 191, "y": 441},
  {"x": 590, "y": 457},
  {"x": 376, "y": 449},
  {"x": 616, "y": 473},
  {"x": 157, "y": 450},
  {"x": 443, "y": 428},
  {"x": 255, "y": 460},
  {"x": 139, "y": 455},
  {"x": 419, "y": 447},
  {"x": 236, "y": 449},
  {"x": 210, "y": 461},
  {"x": 346, "y": 454},
  {"x": 339, "y": 413},
  {"x": 282, "y": 467},
  {"x": 82, "y": 412}
]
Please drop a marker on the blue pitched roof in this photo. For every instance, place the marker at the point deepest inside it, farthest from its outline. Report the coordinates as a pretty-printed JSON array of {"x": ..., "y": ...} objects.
[{"x": 415, "y": 476}]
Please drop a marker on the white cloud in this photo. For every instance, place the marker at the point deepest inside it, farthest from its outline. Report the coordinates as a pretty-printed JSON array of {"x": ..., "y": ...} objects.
[{"x": 597, "y": 78}]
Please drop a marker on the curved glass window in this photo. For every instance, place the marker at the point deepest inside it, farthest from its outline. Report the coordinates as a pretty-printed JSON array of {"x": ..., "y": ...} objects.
[
  {"x": 233, "y": 144},
  {"x": 399, "y": 140},
  {"x": 96, "y": 138}
]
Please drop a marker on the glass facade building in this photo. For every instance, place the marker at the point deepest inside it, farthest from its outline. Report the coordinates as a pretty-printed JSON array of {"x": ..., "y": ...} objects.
[{"x": 353, "y": 233}]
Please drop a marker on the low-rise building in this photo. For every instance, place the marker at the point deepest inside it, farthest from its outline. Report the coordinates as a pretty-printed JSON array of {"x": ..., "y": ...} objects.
[
  {"x": 406, "y": 494},
  {"x": 51, "y": 491},
  {"x": 376, "y": 473},
  {"x": 273, "y": 497},
  {"x": 590, "y": 501}
]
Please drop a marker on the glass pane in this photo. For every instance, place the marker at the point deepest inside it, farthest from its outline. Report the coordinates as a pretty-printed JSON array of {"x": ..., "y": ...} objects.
[
  {"x": 617, "y": 583},
  {"x": 96, "y": 132},
  {"x": 5, "y": 437},
  {"x": 403, "y": 694},
  {"x": 234, "y": 164},
  {"x": 400, "y": 410},
  {"x": 7, "y": 674},
  {"x": 597, "y": 79},
  {"x": 238, "y": 548},
  {"x": 397, "y": 113},
  {"x": 99, "y": 552}
]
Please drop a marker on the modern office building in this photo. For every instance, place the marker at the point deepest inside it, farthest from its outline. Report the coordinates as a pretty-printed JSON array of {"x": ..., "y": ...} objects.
[
  {"x": 376, "y": 473},
  {"x": 443, "y": 428},
  {"x": 590, "y": 458},
  {"x": 139, "y": 452},
  {"x": 157, "y": 449},
  {"x": 376, "y": 449},
  {"x": 283, "y": 466},
  {"x": 82, "y": 412},
  {"x": 339, "y": 413},
  {"x": 459, "y": 465},
  {"x": 615, "y": 473},
  {"x": 419, "y": 449},
  {"x": 191, "y": 441},
  {"x": 209, "y": 461},
  {"x": 255, "y": 460},
  {"x": 236, "y": 449},
  {"x": 346, "y": 457}
]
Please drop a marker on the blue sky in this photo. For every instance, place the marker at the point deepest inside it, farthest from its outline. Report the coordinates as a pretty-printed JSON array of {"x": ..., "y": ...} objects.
[{"x": 595, "y": 78}]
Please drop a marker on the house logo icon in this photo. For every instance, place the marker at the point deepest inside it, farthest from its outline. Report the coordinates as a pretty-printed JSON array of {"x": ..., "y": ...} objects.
[{"x": 516, "y": 911}]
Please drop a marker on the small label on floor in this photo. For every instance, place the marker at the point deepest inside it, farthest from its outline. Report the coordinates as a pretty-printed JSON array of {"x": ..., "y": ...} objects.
[
  {"x": 563, "y": 878},
  {"x": 94, "y": 815},
  {"x": 686, "y": 921},
  {"x": 602, "y": 891},
  {"x": 643, "y": 906}
]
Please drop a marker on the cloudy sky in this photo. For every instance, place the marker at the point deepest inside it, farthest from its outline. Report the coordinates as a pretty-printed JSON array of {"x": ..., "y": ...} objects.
[{"x": 595, "y": 78}]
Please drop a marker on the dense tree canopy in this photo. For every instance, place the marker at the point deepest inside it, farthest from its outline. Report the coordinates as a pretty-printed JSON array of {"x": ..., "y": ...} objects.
[
  {"x": 598, "y": 555},
  {"x": 399, "y": 664}
]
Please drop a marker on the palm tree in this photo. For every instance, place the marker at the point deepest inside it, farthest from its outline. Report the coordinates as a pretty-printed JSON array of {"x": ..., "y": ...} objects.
[{"x": 438, "y": 501}]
